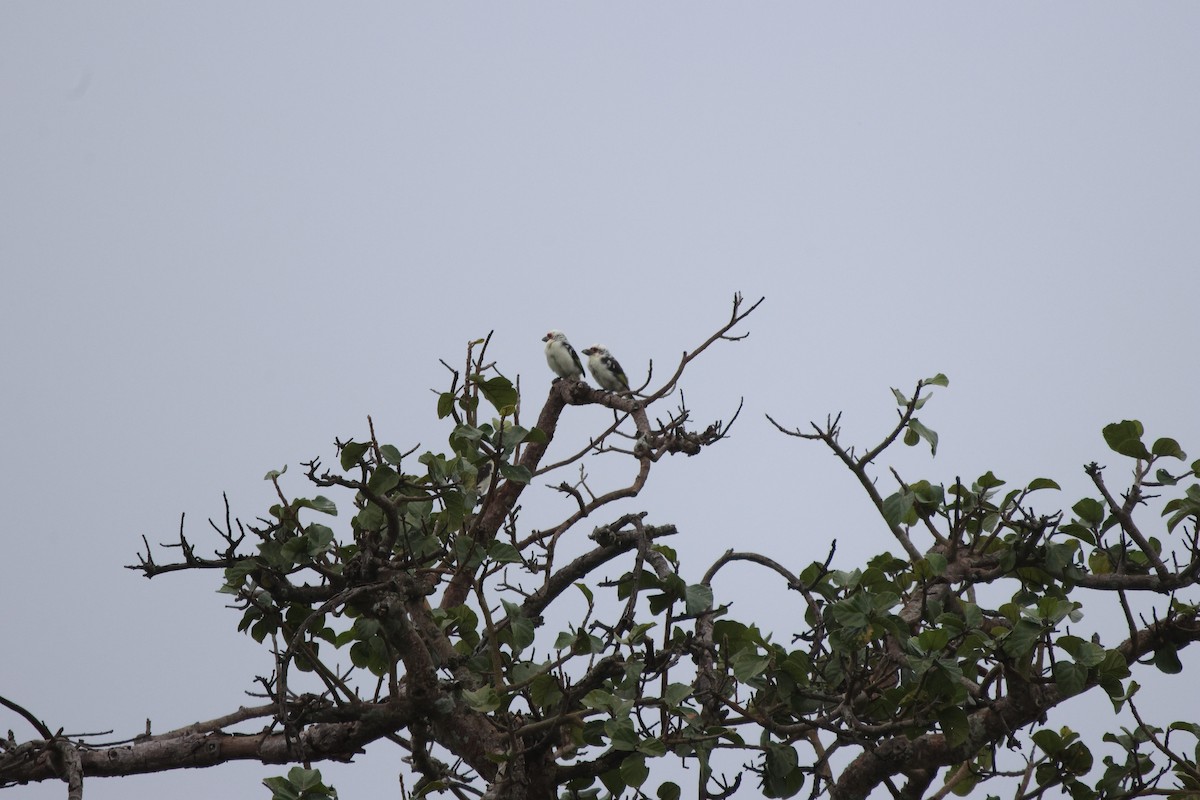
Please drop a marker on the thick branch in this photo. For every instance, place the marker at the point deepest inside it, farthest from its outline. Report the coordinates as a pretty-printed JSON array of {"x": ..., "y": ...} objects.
[
  {"x": 338, "y": 741},
  {"x": 620, "y": 542},
  {"x": 1024, "y": 705}
]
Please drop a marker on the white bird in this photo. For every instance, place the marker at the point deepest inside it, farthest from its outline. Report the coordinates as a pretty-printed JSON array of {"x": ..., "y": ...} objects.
[
  {"x": 605, "y": 369},
  {"x": 561, "y": 357}
]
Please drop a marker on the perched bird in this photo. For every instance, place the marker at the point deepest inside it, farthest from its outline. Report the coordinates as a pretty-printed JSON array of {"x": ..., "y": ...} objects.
[
  {"x": 561, "y": 357},
  {"x": 605, "y": 369}
]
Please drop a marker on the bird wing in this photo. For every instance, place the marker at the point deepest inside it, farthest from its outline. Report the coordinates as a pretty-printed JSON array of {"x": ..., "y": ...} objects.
[
  {"x": 615, "y": 368},
  {"x": 574, "y": 357}
]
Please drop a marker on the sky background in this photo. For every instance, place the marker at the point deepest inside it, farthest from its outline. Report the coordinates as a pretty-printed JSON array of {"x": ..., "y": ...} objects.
[{"x": 231, "y": 231}]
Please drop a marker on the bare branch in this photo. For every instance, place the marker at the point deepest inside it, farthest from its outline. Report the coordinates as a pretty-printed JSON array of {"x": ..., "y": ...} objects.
[
  {"x": 735, "y": 317},
  {"x": 1121, "y": 512},
  {"x": 38, "y": 725}
]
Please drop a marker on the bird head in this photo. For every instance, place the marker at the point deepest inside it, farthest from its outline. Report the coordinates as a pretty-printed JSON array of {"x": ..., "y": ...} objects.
[
  {"x": 596, "y": 349},
  {"x": 554, "y": 335}
]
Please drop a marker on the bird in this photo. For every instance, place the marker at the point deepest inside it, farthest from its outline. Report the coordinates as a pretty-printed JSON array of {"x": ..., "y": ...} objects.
[
  {"x": 561, "y": 357},
  {"x": 605, "y": 369}
]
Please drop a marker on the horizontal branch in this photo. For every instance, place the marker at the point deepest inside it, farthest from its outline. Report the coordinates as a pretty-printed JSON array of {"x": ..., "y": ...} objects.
[{"x": 336, "y": 741}]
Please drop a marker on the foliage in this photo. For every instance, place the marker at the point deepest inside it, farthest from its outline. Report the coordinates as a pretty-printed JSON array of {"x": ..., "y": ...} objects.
[{"x": 437, "y": 620}]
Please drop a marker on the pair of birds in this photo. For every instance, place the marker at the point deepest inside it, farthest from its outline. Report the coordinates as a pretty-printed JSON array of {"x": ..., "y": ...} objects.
[{"x": 565, "y": 362}]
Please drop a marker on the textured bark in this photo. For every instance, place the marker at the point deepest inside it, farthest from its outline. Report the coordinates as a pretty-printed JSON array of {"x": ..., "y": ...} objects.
[{"x": 337, "y": 741}]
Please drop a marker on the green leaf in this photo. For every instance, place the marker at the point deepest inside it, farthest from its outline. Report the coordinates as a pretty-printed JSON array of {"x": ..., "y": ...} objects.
[
  {"x": 1117, "y": 693},
  {"x": 587, "y": 592},
  {"x": 523, "y": 633},
  {"x": 637, "y": 634},
  {"x": 634, "y": 770},
  {"x": 1071, "y": 678},
  {"x": 304, "y": 779},
  {"x": 1046, "y": 774},
  {"x": 275, "y": 473},
  {"x": 1089, "y": 654},
  {"x": 1042, "y": 483},
  {"x": 621, "y": 733},
  {"x": 598, "y": 699},
  {"x": 235, "y": 575},
  {"x": 500, "y": 392},
  {"x": 445, "y": 405},
  {"x": 1166, "y": 658},
  {"x": 954, "y": 725},
  {"x": 352, "y": 452},
  {"x": 1050, "y": 741},
  {"x": 660, "y": 602},
  {"x": 516, "y": 473},
  {"x": 966, "y": 786},
  {"x": 1181, "y": 508},
  {"x": 391, "y": 454},
  {"x": 318, "y": 503},
  {"x": 937, "y": 380},
  {"x": 370, "y": 518},
  {"x": 1125, "y": 437},
  {"x": 1168, "y": 447},
  {"x": 364, "y": 628},
  {"x": 911, "y": 437},
  {"x": 1021, "y": 639},
  {"x": 781, "y": 776},
  {"x": 484, "y": 699},
  {"x": 1110, "y": 673},
  {"x": 1083, "y": 651},
  {"x": 676, "y": 693},
  {"x": 933, "y": 639},
  {"x": 320, "y": 537},
  {"x": 748, "y": 664},
  {"x": 927, "y": 496},
  {"x": 511, "y": 434},
  {"x": 521, "y": 626},
  {"x": 898, "y": 509},
  {"x": 699, "y": 598},
  {"x": 669, "y": 791},
  {"x": 928, "y": 435},
  {"x": 545, "y": 691},
  {"x": 1099, "y": 563},
  {"x": 989, "y": 481},
  {"x": 1089, "y": 510},
  {"x": 613, "y": 782},
  {"x": 281, "y": 789},
  {"x": 1078, "y": 759},
  {"x": 383, "y": 480},
  {"x": 901, "y": 400},
  {"x": 504, "y": 553},
  {"x": 464, "y": 437}
]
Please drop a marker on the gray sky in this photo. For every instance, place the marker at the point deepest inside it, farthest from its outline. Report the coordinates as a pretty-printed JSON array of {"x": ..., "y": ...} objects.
[{"x": 231, "y": 231}]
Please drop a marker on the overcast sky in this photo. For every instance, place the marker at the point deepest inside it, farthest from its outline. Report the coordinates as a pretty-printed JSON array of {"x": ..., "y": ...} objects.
[{"x": 231, "y": 231}]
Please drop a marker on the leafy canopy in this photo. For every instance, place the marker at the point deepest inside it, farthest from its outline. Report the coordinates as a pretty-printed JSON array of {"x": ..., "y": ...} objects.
[{"x": 403, "y": 598}]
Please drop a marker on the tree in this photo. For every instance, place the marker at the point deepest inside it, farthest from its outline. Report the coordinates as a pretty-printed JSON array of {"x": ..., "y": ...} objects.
[{"x": 433, "y": 620}]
